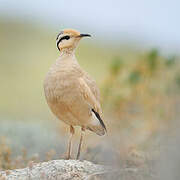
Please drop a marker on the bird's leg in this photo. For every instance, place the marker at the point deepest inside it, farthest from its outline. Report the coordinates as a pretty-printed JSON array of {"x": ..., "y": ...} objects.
[
  {"x": 80, "y": 143},
  {"x": 70, "y": 143}
]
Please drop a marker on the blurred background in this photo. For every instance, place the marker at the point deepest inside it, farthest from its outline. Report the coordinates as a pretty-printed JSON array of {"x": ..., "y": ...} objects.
[{"x": 133, "y": 55}]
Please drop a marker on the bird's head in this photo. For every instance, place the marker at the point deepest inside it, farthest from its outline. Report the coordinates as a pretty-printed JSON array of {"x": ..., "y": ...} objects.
[{"x": 68, "y": 39}]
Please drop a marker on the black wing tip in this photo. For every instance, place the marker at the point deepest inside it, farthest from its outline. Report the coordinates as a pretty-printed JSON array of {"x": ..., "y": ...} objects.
[{"x": 100, "y": 120}]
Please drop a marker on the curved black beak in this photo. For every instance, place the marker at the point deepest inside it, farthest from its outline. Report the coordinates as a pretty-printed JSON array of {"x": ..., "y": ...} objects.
[{"x": 84, "y": 35}]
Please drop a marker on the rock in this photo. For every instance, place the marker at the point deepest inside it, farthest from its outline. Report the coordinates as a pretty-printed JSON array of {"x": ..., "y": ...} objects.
[{"x": 57, "y": 170}]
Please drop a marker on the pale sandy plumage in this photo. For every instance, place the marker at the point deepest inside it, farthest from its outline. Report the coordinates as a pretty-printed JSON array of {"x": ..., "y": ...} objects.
[{"x": 71, "y": 93}]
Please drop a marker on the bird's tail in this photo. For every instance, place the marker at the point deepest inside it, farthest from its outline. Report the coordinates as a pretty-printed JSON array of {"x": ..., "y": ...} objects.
[{"x": 97, "y": 125}]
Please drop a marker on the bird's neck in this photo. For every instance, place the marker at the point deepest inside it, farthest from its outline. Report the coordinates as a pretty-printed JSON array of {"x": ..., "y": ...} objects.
[
  {"x": 67, "y": 52},
  {"x": 67, "y": 55}
]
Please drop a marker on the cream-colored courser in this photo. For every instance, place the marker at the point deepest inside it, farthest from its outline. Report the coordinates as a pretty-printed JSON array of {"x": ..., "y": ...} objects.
[{"x": 71, "y": 93}]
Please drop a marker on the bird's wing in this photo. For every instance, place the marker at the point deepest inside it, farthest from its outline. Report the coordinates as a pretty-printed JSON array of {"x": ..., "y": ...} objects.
[
  {"x": 97, "y": 125},
  {"x": 91, "y": 83},
  {"x": 90, "y": 94}
]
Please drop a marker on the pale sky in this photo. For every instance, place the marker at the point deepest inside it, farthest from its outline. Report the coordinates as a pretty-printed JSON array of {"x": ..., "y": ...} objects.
[{"x": 151, "y": 23}]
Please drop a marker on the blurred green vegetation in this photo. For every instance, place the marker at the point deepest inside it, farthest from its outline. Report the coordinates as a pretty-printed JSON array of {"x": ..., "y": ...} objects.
[{"x": 142, "y": 94}]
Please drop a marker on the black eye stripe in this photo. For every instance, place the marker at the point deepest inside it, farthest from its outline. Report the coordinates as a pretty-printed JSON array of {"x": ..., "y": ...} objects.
[{"x": 64, "y": 37}]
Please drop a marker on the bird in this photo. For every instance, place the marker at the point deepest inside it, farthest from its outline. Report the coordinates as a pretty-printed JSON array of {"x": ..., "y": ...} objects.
[{"x": 71, "y": 94}]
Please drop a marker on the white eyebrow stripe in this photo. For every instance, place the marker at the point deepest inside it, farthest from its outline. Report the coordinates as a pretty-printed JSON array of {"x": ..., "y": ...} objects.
[
  {"x": 57, "y": 45},
  {"x": 59, "y": 35}
]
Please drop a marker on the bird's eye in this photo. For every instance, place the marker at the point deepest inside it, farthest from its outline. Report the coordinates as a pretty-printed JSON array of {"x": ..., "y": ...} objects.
[
  {"x": 63, "y": 38},
  {"x": 66, "y": 37}
]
